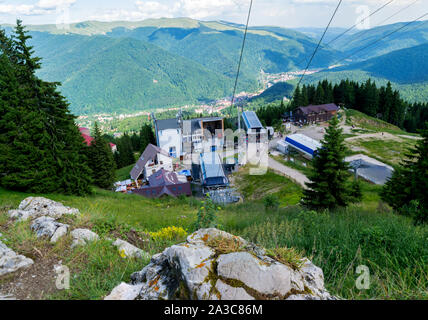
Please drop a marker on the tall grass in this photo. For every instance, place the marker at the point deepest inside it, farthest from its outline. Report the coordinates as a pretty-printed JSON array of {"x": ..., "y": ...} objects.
[{"x": 395, "y": 251}]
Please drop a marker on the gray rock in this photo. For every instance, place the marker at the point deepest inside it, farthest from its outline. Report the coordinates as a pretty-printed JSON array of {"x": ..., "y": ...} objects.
[
  {"x": 83, "y": 236},
  {"x": 230, "y": 293},
  {"x": 124, "y": 291},
  {"x": 49, "y": 227},
  {"x": 194, "y": 270},
  {"x": 59, "y": 233},
  {"x": 34, "y": 207},
  {"x": 129, "y": 250},
  {"x": 268, "y": 279},
  {"x": 10, "y": 261}
]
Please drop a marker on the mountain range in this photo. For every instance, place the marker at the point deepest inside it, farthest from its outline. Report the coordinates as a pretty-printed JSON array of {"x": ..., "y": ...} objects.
[{"x": 108, "y": 67}]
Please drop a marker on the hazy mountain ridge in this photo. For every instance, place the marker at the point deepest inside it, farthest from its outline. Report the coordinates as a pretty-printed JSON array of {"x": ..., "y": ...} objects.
[{"x": 129, "y": 66}]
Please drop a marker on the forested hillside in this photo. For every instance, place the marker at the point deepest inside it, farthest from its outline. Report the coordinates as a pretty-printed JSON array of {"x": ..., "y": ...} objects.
[
  {"x": 412, "y": 35},
  {"x": 401, "y": 66},
  {"x": 128, "y": 66},
  {"x": 102, "y": 74}
]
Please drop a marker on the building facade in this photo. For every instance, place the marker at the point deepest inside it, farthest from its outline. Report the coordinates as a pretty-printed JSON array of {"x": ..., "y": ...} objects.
[{"x": 314, "y": 114}]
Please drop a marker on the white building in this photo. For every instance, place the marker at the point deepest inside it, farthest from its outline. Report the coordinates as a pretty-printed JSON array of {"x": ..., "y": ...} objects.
[
  {"x": 169, "y": 136},
  {"x": 178, "y": 137}
]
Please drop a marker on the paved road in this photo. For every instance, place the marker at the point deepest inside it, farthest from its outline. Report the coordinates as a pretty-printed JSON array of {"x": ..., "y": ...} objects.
[{"x": 291, "y": 173}]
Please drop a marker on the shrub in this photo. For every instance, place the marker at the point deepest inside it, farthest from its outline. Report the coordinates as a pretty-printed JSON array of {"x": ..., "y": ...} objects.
[
  {"x": 207, "y": 214},
  {"x": 169, "y": 234},
  {"x": 271, "y": 202}
]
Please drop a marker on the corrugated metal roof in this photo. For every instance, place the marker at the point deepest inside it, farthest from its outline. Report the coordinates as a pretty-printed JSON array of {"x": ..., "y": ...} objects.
[
  {"x": 251, "y": 120},
  {"x": 212, "y": 168}
]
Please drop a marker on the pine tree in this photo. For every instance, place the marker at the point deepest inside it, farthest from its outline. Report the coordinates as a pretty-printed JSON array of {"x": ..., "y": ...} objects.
[
  {"x": 44, "y": 149},
  {"x": 125, "y": 156},
  {"x": 319, "y": 95},
  {"x": 146, "y": 136},
  {"x": 101, "y": 161},
  {"x": 409, "y": 182},
  {"x": 328, "y": 188}
]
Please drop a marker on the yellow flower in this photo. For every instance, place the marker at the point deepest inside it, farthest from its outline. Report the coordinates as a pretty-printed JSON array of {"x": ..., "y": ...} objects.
[{"x": 122, "y": 253}]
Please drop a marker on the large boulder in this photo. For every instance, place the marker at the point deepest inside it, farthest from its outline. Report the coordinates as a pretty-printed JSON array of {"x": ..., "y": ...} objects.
[
  {"x": 10, "y": 261},
  {"x": 34, "y": 207},
  {"x": 215, "y": 265},
  {"x": 49, "y": 227}
]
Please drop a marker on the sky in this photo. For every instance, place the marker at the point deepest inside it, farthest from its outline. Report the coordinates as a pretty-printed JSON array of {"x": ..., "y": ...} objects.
[{"x": 283, "y": 13}]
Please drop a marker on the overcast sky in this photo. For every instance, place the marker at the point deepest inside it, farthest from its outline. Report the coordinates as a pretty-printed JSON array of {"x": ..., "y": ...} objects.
[{"x": 284, "y": 13}]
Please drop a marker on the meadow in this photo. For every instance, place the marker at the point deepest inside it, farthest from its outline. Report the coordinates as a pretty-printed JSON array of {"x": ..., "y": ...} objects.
[{"x": 368, "y": 233}]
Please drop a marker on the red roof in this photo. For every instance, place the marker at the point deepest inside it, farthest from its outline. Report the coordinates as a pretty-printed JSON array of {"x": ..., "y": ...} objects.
[{"x": 88, "y": 139}]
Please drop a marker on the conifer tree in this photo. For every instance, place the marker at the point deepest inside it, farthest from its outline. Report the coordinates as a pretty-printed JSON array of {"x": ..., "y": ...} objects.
[
  {"x": 146, "y": 137},
  {"x": 44, "y": 149},
  {"x": 328, "y": 187},
  {"x": 409, "y": 182},
  {"x": 101, "y": 161}
]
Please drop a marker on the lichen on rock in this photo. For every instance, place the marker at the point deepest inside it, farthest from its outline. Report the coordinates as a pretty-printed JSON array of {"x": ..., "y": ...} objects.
[{"x": 215, "y": 265}]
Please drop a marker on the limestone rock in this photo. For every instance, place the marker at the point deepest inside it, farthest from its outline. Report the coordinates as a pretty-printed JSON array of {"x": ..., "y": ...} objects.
[
  {"x": 34, "y": 207},
  {"x": 83, "y": 236},
  {"x": 10, "y": 261},
  {"x": 48, "y": 227},
  {"x": 129, "y": 250},
  {"x": 231, "y": 293},
  {"x": 124, "y": 291},
  {"x": 269, "y": 278},
  {"x": 59, "y": 233},
  {"x": 203, "y": 269}
]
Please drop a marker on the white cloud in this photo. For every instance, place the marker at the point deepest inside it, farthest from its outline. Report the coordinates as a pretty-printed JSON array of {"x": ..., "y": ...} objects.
[{"x": 43, "y": 7}]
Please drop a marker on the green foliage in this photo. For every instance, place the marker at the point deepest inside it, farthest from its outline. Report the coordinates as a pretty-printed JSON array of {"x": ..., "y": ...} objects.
[
  {"x": 356, "y": 193},
  {"x": 406, "y": 190},
  {"x": 125, "y": 153},
  {"x": 101, "y": 161},
  {"x": 207, "y": 214},
  {"x": 287, "y": 256},
  {"x": 328, "y": 187},
  {"x": 147, "y": 136},
  {"x": 337, "y": 241},
  {"x": 271, "y": 202},
  {"x": 42, "y": 149},
  {"x": 404, "y": 38}
]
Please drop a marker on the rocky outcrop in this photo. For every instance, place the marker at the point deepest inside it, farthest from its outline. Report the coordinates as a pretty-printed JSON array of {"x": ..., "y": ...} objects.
[
  {"x": 213, "y": 265},
  {"x": 34, "y": 207},
  {"x": 49, "y": 227},
  {"x": 83, "y": 236},
  {"x": 10, "y": 261}
]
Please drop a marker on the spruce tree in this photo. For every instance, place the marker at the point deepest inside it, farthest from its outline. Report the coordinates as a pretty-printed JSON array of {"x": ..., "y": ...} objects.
[
  {"x": 328, "y": 187},
  {"x": 44, "y": 149},
  {"x": 101, "y": 161},
  {"x": 146, "y": 137},
  {"x": 409, "y": 182}
]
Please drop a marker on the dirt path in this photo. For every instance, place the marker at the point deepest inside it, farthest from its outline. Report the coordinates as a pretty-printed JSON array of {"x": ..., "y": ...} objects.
[
  {"x": 377, "y": 135},
  {"x": 291, "y": 173}
]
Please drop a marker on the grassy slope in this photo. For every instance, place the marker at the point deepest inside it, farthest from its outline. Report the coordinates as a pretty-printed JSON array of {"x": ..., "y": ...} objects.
[
  {"x": 123, "y": 173},
  {"x": 385, "y": 149},
  {"x": 368, "y": 234}
]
